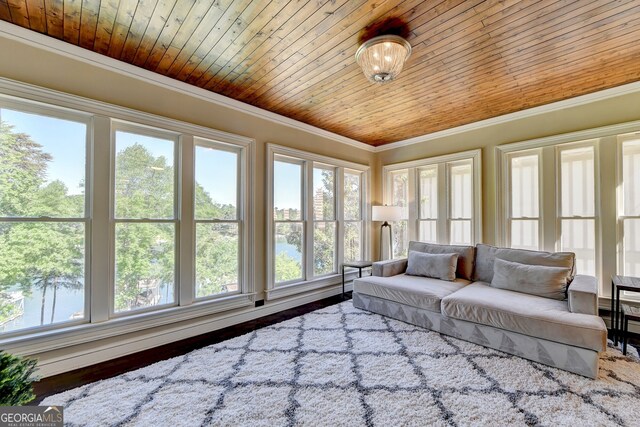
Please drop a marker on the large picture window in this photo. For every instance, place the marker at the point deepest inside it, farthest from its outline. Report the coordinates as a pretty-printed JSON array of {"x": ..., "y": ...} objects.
[
  {"x": 353, "y": 216},
  {"x": 318, "y": 218},
  {"x": 440, "y": 198},
  {"x": 567, "y": 221},
  {"x": 139, "y": 218},
  {"x": 629, "y": 206},
  {"x": 219, "y": 219},
  {"x": 145, "y": 218},
  {"x": 288, "y": 182},
  {"x": 523, "y": 217},
  {"x": 43, "y": 218}
]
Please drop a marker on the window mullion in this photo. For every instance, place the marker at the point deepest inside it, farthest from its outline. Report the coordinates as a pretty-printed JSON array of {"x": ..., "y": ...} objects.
[
  {"x": 307, "y": 216},
  {"x": 339, "y": 216},
  {"x": 101, "y": 254},
  {"x": 412, "y": 215},
  {"x": 548, "y": 200},
  {"x": 186, "y": 255},
  {"x": 442, "y": 223}
]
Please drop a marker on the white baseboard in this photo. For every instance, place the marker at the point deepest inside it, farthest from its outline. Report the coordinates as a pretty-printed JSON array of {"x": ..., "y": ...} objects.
[{"x": 68, "y": 359}]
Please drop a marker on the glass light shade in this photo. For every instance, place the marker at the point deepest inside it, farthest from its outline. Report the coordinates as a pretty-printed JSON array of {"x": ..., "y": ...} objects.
[
  {"x": 382, "y": 58},
  {"x": 386, "y": 213}
]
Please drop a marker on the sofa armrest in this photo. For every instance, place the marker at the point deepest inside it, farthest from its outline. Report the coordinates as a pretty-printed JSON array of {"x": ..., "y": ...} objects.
[
  {"x": 583, "y": 295},
  {"x": 389, "y": 267}
]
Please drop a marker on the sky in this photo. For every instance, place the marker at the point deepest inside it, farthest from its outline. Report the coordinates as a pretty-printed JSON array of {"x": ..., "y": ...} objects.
[
  {"x": 217, "y": 172},
  {"x": 287, "y": 182},
  {"x": 65, "y": 141}
]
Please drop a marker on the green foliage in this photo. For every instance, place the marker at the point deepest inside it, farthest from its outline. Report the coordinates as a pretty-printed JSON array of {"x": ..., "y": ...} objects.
[
  {"x": 16, "y": 376},
  {"x": 216, "y": 259},
  {"x": 287, "y": 268},
  {"x": 36, "y": 254}
]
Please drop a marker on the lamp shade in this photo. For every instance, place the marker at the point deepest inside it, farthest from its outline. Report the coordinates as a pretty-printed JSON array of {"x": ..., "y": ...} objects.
[
  {"x": 382, "y": 58},
  {"x": 386, "y": 213}
]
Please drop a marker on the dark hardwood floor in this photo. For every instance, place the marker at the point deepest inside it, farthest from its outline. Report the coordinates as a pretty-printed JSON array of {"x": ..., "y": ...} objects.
[{"x": 68, "y": 380}]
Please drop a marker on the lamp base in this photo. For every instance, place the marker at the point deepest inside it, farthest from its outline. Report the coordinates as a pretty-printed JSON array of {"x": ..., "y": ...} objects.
[{"x": 386, "y": 224}]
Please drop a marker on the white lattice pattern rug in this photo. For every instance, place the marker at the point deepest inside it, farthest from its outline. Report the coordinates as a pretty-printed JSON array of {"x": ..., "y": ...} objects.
[{"x": 341, "y": 366}]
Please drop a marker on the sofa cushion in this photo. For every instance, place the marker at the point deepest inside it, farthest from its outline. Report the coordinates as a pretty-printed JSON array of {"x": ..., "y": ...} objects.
[
  {"x": 527, "y": 314},
  {"x": 466, "y": 255},
  {"x": 421, "y": 292},
  {"x": 486, "y": 254},
  {"x": 548, "y": 282},
  {"x": 437, "y": 266}
]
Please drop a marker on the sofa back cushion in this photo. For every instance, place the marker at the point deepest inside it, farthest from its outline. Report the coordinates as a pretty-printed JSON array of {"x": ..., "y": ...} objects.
[
  {"x": 437, "y": 266},
  {"x": 466, "y": 255},
  {"x": 543, "y": 281},
  {"x": 486, "y": 255}
]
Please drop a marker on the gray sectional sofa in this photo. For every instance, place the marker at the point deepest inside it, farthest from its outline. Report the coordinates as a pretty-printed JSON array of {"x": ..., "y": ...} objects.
[{"x": 566, "y": 333}]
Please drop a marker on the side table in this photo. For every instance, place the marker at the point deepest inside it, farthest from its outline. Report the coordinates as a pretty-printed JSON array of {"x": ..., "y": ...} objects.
[
  {"x": 355, "y": 264},
  {"x": 620, "y": 283},
  {"x": 628, "y": 313}
]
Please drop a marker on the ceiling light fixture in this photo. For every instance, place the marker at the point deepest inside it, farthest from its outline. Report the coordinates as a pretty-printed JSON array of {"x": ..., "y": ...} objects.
[{"x": 382, "y": 58}]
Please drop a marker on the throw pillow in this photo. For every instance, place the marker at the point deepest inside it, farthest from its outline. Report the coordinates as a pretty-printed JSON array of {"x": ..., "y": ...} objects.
[
  {"x": 548, "y": 282},
  {"x": 437, "y": 266}
]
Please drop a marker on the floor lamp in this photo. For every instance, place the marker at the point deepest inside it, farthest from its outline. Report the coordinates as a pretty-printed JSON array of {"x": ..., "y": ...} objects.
[{"x": 386, "y": 214}]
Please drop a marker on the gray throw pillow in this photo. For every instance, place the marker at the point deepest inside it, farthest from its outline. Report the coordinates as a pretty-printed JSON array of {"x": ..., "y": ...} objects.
[
  {"x": 437, "y": 266},
  {"x": 466, "y": 255},
  {"x": 548, "y": 282}
]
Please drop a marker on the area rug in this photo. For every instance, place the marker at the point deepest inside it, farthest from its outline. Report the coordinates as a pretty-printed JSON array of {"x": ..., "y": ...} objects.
[{"x": 341, "y": 366}]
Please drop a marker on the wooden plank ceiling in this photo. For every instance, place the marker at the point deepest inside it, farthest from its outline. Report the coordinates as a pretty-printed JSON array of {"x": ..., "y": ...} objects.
[{"x": 471, "y": 59}]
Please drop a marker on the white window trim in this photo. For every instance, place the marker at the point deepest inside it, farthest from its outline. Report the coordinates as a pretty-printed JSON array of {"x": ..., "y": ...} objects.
[
  {"x": 298, "y": 286},
  {"x": 620, "y": 214},
  {"x": 443, "y": 194},
  {"x": 86, "y": 119},
  {"x": 97, "y": 324},
  {"x": 244, "y": 207},
  {"x": 134, "y": 128},
  {"x": 608, "y": 151},
  {"x": 549, "y": 192},
  {"x": 507, "y": 214}
]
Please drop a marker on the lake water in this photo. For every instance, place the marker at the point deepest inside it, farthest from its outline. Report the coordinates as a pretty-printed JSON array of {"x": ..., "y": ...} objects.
[
  {"x": 289, "y": 249},
  {"x": 70, "y": 301}
]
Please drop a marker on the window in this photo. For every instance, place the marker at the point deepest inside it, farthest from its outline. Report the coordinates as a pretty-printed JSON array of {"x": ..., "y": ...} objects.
[
  {"x": 460, "y": 177},
  {"x": 353, "y": 216},
  {"x": 43, "y": 218},
  {"x": 218, "y": 219},
  {"x": 140, "y": 218},
  {"x": 145, "y": 218},
  {"x": 400, "y": 197},
  {"x": 440, "y": 197},
  {"x": 577, "y": 205},
  {"x": 567, "y": 221},
  {"x": 524, "y": 196},
  {"x": 428, "y": 214},
  {"x": 629, "y": 206},
  {"x": 288, "y": 216},
  {"x": 324, "y": 221},
  {"x": 318, "y": 219}
]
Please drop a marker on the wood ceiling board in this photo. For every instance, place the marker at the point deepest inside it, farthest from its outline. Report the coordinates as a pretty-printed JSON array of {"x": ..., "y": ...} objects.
[
  {"x": 18, "y": 12},
  {"x": 489, "y": 61},
  {"x": 37, "y": 16},
  {"x": 442, "y": 53},
  {"x": 472, "y": 59}
]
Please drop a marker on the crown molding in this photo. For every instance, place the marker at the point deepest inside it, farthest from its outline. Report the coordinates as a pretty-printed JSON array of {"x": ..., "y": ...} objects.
[
  {"x": 50, "y": 44},
  {"x": 542, "y": 109}
]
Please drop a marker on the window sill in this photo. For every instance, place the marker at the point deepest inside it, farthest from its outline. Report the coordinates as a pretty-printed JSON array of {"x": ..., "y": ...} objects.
[
  {"x": 42, "y": 341},
  {"x": 289, "y": 289}
]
